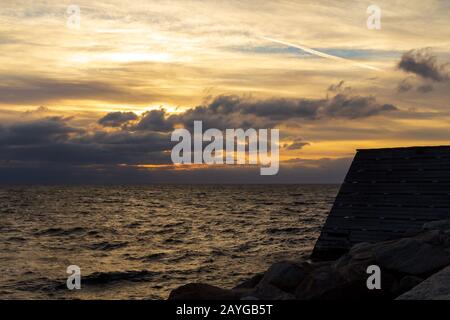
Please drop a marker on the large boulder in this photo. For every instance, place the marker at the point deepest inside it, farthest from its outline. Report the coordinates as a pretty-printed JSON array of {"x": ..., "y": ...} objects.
[
  {"x": 280, "y": 280},
  {"x": 346, "y": 279},
  {"x": 411, "y": 256},
  {"x": 436, "y": 287},
  {"x": 270, "y": 292},
  {"x": 317, "y": 283},
  {"x": 356, "y": 261},
  {"x": 422, "y": 254},
  {"x": 286, "y": 275},
  {"x": 201, "y": 291},
  {"x": 250, "y": 283}
]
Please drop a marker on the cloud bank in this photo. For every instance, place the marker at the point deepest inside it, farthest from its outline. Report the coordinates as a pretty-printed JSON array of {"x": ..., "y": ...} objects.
[{"x": 127, "y": 141}]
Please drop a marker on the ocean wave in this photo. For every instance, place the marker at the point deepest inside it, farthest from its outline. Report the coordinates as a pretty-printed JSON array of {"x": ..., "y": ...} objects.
[
  {"x": 284, "y": 230},
  {"x": 178, "y": 244},
  {"x": 107, "y": 246},
  {"x": 154, "y": 256},
  {"x": 16, "y": 239},
  {"x": 103, "y": 278},
  {"x": 61, "y": 231},
  {"x": 91, "y": 280}
]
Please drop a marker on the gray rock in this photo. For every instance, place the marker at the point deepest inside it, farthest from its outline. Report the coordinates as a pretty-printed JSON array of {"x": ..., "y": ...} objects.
[
  {"x": 411, "y": 256},
  {"x": 250, "y": 283},
  {"x": 362, "y": 251},
  {"x": 436, "y": 287},
  {"x": 344, "y": 279},
  {"x": 286, "y": 275},
  {"x": 317, "y": 283},
  {"x": 270, "y": 292},
  {"x": 281, "y": 279},
  {"x": 422, "y": 254},
  {"x": 200, "y": 291},
  {"x": 354, "y": 264},
  {"x": 358, "y": 253}
]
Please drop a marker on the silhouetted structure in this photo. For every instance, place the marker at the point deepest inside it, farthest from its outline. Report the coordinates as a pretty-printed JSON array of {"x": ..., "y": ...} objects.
[{"x": 387, "y": 193}]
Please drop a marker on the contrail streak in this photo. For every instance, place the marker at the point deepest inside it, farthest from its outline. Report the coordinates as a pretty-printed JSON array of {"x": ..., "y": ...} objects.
[{"x": 322, "y": 54}]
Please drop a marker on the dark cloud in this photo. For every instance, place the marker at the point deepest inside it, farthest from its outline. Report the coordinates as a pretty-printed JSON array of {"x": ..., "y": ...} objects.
[
  {"x": 54, "y": 140},
  {"x": 47, "y": 130},
  {"x": 423, "y": 63},
  {"x": 239, "y": 112},
  {"x": 155, "y": 120},
  {"x": 117, "y": 119},
  {"x": 297, "y": 144},
  {"x": 343, "y": 106},
  {"x": 52, "y": 151}
]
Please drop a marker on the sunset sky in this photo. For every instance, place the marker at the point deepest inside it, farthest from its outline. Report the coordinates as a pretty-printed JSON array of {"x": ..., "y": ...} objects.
[{"x": 98, "y": 103}]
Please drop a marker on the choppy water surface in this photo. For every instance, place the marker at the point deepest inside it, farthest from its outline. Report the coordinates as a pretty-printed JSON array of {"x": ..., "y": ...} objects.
[{"x": 141, "y": 242}]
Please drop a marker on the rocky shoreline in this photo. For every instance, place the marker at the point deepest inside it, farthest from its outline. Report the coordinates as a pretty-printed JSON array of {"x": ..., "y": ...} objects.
[{"x": 416, "y": 267}]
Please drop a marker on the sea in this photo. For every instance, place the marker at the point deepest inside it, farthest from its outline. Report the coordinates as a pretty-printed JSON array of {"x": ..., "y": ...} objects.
[{"x": 140, "y": 242}]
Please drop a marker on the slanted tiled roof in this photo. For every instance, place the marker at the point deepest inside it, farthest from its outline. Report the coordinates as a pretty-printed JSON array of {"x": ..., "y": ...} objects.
[{"x": 386, "y": 193}]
